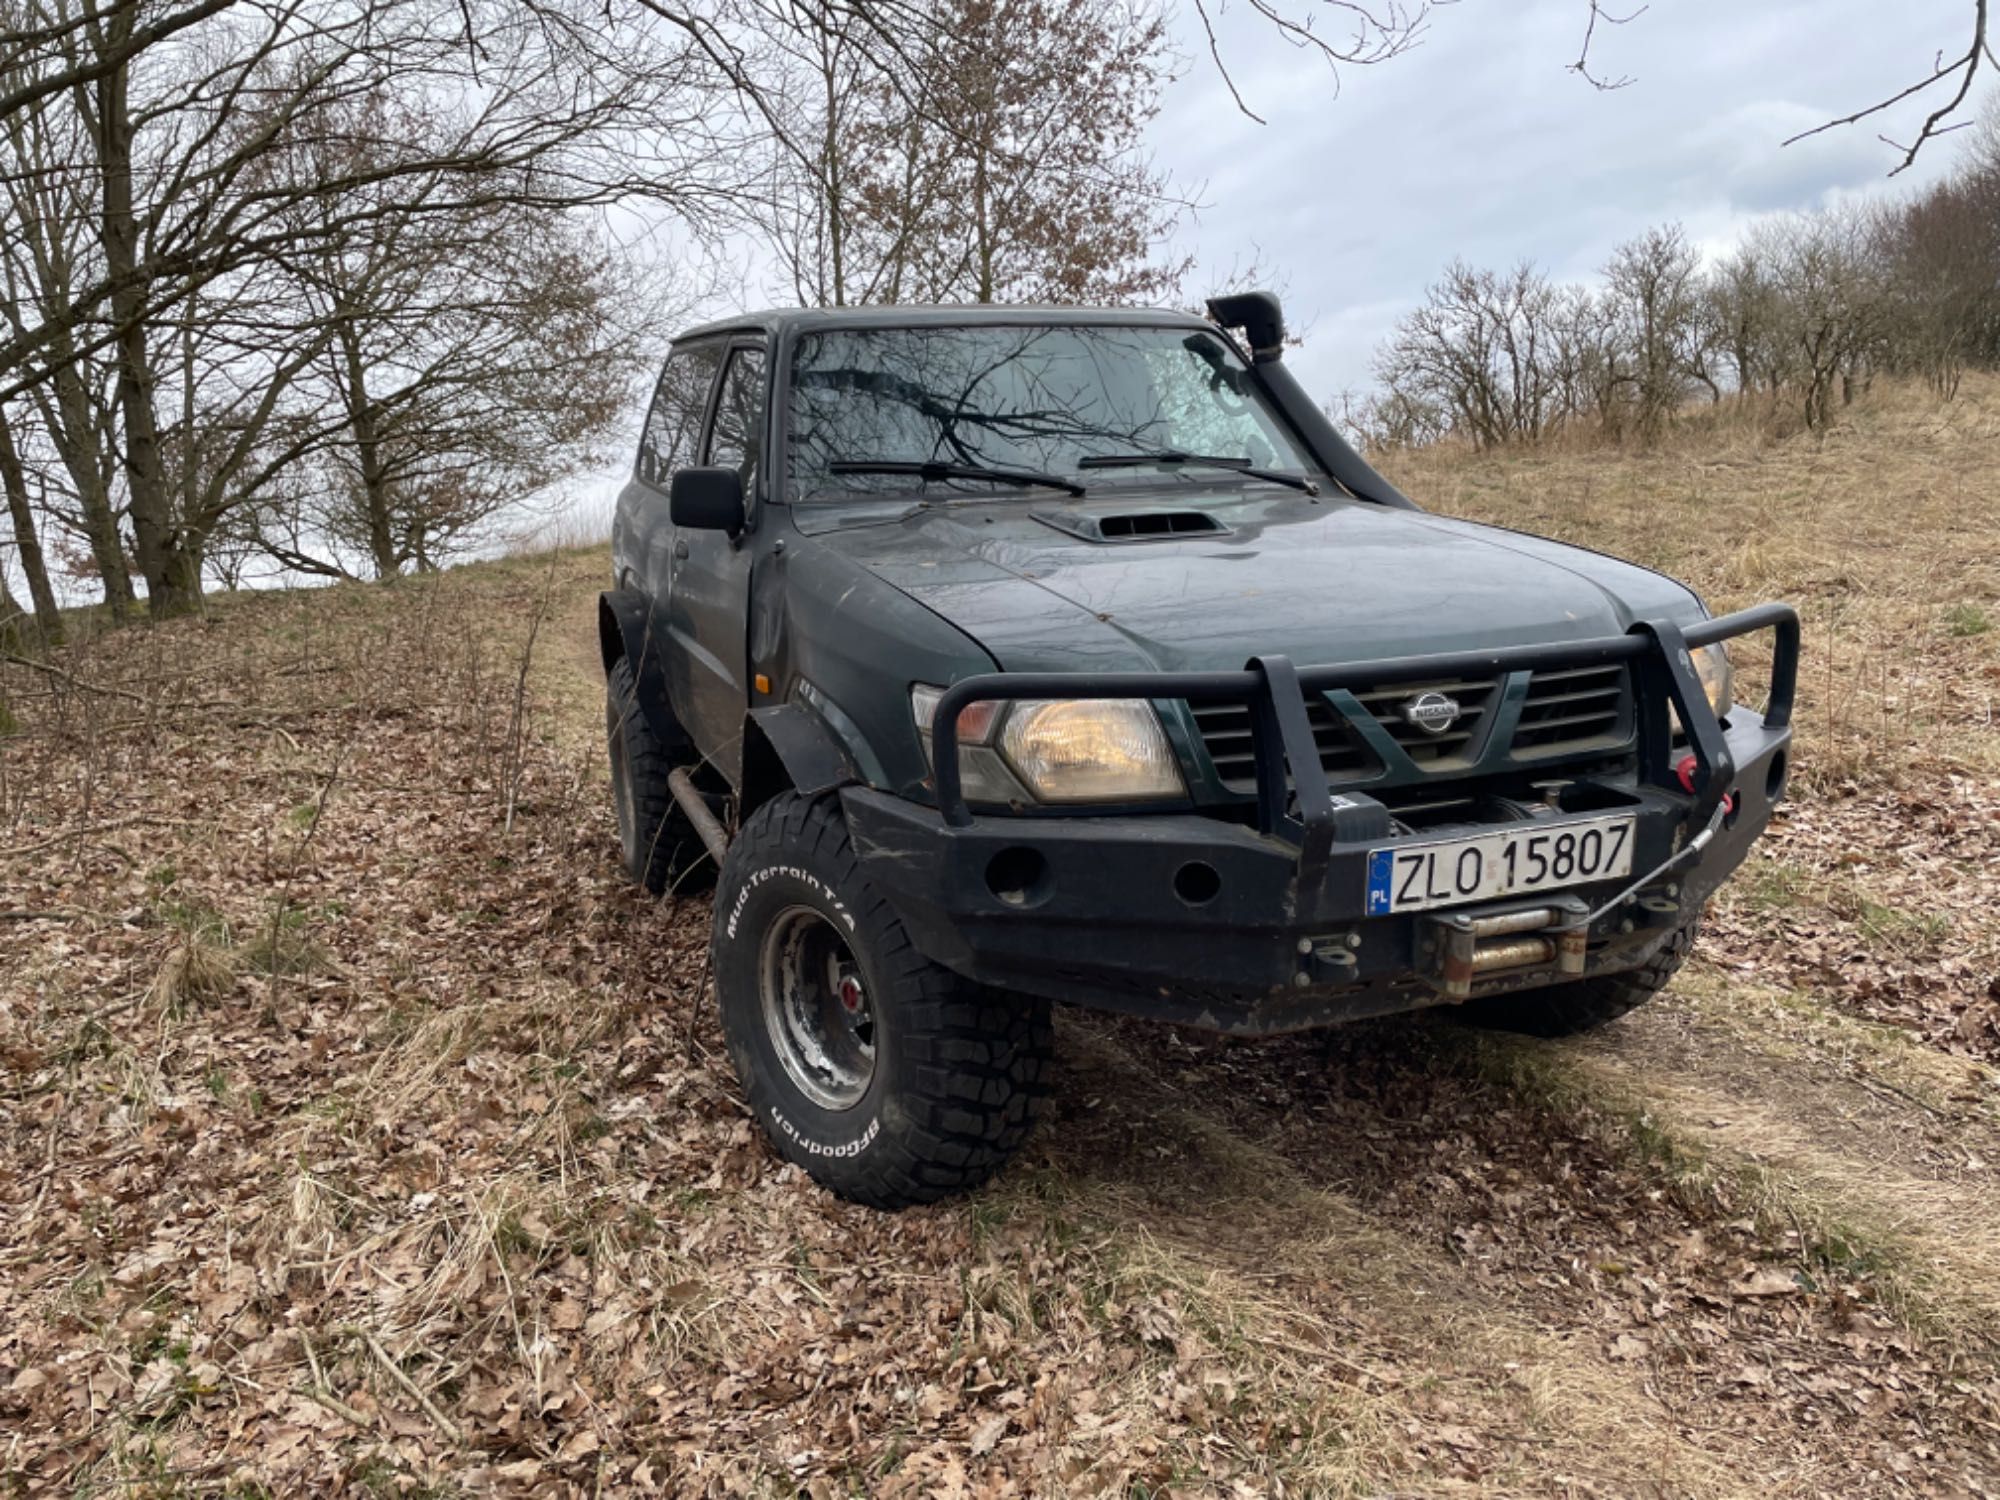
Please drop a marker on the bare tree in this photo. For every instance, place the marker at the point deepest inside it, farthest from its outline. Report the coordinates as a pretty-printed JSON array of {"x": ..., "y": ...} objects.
[
  {"x": 1376, "y": 421},
  {"x": 48, "y": 247},
  {"x": 1743, "y": 311},
  {"x": 1830, "y": 303},
  {"x": 828, "y": 110},
  {"x": 1478, "y": 352},
  {"x": 1369, "y": 32},
  {"x": 474, "y": 359},
  {"x": 1580, "y": 353},
  {"x": 181, "y": 163},
  {"x": 1940, "y": 255},
  {"x": 1583, "y": 67},
  {"x": 43, "y": 41},
  {"x": 1009, "y": 169},
  {"x": 1653, "y": 286},
  {"x": 27, "y": 541}
]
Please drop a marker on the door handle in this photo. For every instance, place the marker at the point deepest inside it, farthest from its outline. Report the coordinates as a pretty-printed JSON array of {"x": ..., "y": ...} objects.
[{"x": 680, "y": 548}]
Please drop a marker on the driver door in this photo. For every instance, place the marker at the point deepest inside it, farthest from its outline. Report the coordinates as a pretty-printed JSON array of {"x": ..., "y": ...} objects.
[{"x": 709, "y": 599}]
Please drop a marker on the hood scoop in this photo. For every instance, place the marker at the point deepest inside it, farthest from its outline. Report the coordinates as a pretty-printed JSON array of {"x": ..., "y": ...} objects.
[{"x": 1132, "y": 525}]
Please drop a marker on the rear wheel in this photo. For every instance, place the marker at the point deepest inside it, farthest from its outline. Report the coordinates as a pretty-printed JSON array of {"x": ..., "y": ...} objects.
[
  {"x": 1582, "y": 1004},
  {"x": 888, "y": 1078},
  {"x": 657, "y": 844}
]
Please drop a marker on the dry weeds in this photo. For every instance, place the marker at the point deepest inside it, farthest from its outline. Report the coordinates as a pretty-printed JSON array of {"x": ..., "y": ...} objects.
[
  {"x": 1875, "y": 892},
  {"x": 352, "y": 1143}
]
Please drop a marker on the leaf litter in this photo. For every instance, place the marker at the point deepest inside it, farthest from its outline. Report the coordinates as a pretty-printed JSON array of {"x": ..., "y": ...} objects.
[{"x": 354, "y": 1144}]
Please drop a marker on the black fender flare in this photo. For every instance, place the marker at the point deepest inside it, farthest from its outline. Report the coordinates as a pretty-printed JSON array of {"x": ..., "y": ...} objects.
[
  {"x": 628, "y": 629},
  {"x": 788, "y": 745}
]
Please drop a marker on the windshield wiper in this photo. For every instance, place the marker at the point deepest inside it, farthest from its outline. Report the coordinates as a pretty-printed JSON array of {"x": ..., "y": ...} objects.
[
  {"x": 1172, "y": 457},
  {"x": 933, "y": 471}
]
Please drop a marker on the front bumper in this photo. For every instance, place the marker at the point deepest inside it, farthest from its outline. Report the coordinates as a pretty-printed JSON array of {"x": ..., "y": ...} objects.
[{"x": 1254, "y": 930}]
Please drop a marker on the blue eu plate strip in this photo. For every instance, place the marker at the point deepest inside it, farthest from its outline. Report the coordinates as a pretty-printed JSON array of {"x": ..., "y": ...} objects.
[{"x": 1381, "y": 880}]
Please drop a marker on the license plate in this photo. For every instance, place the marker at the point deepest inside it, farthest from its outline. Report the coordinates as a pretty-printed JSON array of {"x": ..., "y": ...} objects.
[{"x": 1489, "y": 866}]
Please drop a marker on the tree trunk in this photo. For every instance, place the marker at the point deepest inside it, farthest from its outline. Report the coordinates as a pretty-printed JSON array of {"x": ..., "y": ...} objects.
[
  {"x": 76, "y": 437},
  {"x": 832, "y": 173},
  {"x": 180, "y": 575},
  {"x": 11, "y": 615},
  {"x": 171, "y": 587},
  {"x": 981, "y": 227},
  {"x": 26, "y": 542},
  {"x": 982, "y": 140},
  {"x": 368, "y": 449}
]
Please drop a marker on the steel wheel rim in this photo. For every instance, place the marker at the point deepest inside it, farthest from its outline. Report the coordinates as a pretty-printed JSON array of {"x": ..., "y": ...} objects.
[{"x": 817, "y": 1008}]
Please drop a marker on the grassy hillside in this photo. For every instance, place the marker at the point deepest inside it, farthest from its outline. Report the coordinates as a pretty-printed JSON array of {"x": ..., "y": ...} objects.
[
  {"x": 1886, "y": 535},
  {"x": 362, "y": 1130}
]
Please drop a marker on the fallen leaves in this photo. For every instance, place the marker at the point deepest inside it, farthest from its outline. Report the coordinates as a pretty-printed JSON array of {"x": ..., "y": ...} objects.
[
  {"x": 448, "y": 1185},
  {"x": 1765, "y": 1281},
  {"x": 1878, "y": 903}
]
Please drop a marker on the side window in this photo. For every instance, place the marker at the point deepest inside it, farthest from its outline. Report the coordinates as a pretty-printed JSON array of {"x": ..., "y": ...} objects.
[
  {"x": 673, "y": 424},
  {"x": 738, "y": 437}
]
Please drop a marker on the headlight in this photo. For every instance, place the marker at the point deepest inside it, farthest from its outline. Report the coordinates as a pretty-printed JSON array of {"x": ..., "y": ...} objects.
[
  {"x": 1718, "y": 681},
  {"x": 1090, "y": 750},
  {"x": 1058, "y": 750}
]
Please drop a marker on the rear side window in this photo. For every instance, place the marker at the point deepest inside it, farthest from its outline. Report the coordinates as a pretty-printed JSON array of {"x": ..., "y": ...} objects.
[
  {"x": 739, "y": 416},
  {"x": 673, "y": 424}
]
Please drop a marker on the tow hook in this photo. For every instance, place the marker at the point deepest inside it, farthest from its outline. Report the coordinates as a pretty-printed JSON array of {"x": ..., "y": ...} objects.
[
  {"x": 1463, "y": 946},
  {"x": 1329, "y": 960}
]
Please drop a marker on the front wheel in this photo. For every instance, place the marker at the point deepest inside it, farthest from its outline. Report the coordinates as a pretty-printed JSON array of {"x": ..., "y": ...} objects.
[
  {"x": 1582, "y": 1004},
  {"x": 888, "y": 1078}
]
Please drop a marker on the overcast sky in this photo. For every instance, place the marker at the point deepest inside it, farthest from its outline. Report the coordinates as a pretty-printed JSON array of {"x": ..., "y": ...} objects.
[
  {"x": 1480, "y": 144},
  {"x": 1357, "y": 192}
]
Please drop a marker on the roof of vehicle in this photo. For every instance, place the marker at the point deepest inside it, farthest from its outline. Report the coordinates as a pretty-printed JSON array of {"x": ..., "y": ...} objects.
[{"x": 937, "y": 315}]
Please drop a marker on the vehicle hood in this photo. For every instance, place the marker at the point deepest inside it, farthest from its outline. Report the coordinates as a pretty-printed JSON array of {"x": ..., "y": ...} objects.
[{"x": 1322, "y": 581}]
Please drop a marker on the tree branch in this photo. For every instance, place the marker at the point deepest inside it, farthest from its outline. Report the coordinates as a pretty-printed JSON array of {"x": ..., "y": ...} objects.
[
  {"x": 1581, "y": 67},
  {"x": 1964, "y": 67}
]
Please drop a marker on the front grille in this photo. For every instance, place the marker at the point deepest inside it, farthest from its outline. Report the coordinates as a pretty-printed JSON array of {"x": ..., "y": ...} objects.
[
  {"x": 1225, "y": 732},
  {"x": 1571, "y": 709},
  {"x": 1474, "y": 699},
  {"x": 1568, "y": 710}
]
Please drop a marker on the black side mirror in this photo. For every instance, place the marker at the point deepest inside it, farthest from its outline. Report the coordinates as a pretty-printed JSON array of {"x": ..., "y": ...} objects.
[{"x": 707, "y": 500}]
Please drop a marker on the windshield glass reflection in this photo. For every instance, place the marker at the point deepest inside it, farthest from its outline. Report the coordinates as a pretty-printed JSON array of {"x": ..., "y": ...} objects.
[{"x": 1038, "y": 399}]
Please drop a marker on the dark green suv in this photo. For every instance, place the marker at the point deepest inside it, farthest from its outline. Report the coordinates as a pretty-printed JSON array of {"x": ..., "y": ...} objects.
[{"x": 990, "y": 657}]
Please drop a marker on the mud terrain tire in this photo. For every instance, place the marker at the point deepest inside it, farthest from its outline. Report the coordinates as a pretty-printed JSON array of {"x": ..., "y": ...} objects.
[
  {"x": 657, "y": 845},
  {"x": 889, "y": 1079},
  {"x": 1583, "y": 1004}
]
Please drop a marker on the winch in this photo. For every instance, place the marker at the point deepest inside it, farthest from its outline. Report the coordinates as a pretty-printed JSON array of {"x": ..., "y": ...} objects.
[{"x": 1461, "y": 946}]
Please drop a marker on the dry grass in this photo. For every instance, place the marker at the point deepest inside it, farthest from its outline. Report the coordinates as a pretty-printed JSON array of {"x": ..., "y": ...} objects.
[
  {"x": 1874, "y": 892},
  {"x": 195, "y": 971},
  {"x": 365, "y": 1133},
  {"x": 1881, "y": 532}
]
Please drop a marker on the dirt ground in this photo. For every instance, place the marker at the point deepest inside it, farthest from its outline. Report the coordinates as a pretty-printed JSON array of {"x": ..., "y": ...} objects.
[{"x": 363, "y": 1132}]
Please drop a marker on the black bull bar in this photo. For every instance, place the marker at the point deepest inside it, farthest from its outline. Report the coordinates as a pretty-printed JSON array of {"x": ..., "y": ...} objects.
[{"x": 1294, "y": 801}]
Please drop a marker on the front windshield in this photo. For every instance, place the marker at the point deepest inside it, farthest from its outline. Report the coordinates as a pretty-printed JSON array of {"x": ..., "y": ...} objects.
[{"x": 1035, "y": 399}]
